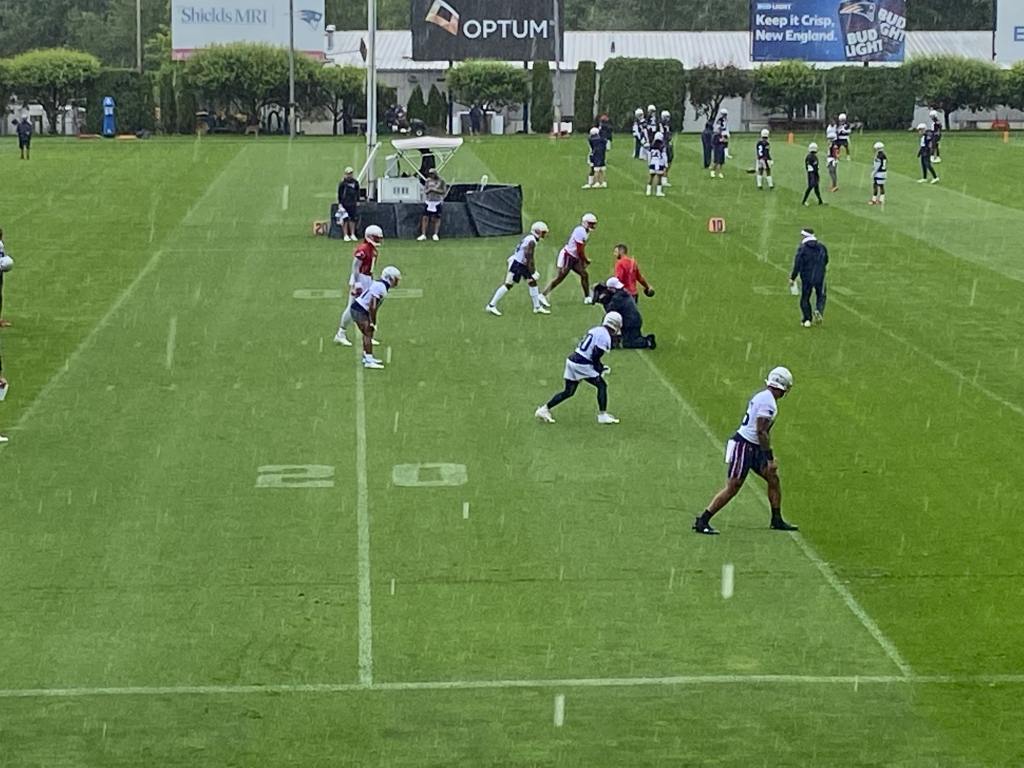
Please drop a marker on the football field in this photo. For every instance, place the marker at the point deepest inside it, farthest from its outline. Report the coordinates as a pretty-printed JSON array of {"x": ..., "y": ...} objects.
[{"x": 224, "y": 542}]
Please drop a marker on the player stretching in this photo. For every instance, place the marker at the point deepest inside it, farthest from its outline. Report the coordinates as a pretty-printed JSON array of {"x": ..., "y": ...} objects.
[
  {"x": 363, "y": 258},
  {"x": 573, "y": 258},
  {"x": 750, "y": 449},
  {"x": 878, "y": 174},
  {"x": 520, "y": 267},
  {"x": 585, "y": 365},
  {"x": 764, "y": 161},
  {"x": 364, "y": 311}
]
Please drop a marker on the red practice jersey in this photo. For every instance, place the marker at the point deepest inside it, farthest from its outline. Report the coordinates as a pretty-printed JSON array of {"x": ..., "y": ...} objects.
[
  {"x": 366, "y": 252},
  {"x": 628, "y": 272}
]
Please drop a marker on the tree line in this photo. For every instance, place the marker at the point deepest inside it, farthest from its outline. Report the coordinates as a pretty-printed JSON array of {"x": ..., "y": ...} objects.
[{"x": 106, "y": 28}]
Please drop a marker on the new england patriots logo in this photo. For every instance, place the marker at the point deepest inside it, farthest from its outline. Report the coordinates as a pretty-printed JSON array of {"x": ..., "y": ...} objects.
[
  {"x": 311, "y": 17},
  {"x": 864, "y": 8}
]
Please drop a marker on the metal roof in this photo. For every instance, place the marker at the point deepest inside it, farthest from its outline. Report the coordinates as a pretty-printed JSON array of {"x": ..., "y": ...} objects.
[{"x": 394, "y": 48}]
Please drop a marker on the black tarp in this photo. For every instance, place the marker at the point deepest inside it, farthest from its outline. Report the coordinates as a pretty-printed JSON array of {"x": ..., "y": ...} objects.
[{"x": 496, "y": 211}]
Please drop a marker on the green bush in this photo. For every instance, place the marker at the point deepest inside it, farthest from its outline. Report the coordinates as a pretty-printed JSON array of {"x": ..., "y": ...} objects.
[
  {"x": 437, "y": 109},
  {"x": 1013, "y": 86},
  {"x": 416, "y": 109},
  {"x": 630, "y": 83},
  {"x": 493, "y": 83},
  {"x": 583, "y": 98},
  {"x": 133, "y": 99},
  {"x": 787, "y": 86},
  {"x": 542, "y": 99},
  {"x": 710, "y": 86},
  {"x": 879, "y": 97},
  {"x": 52, "y": 77},
  {"x": 950, "y": 83}
]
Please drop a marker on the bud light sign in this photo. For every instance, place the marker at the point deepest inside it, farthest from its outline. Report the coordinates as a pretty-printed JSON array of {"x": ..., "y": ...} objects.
[{"x": 828, "y": 30}]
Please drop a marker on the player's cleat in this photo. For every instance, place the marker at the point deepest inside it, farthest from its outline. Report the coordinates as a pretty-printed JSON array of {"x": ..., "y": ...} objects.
[
  {"x": 544, "y": 415},
  {"x": 493, "y": 310},
  {"x": 648, "y": 192},
  {"x": 435, "y": 238},
  {"x": 806, "y": 323},
  {"x": 818, "y": 319},
  {"x": 341, "y": 338},
  {"x": 588, "y": 299},
  {"x": 543, "y": 300},
  {"x": 666, "y": 183},
  {"x": 807, "y": 205},
  {"x": 606, "y": 418},
  {"x": 936, "y": 159},
  {"x": 721, "y": 175},
  {"x": 421, "y": 238},
  {"x": 921, "y": 181},
  {"x": 375, "y": 365},
  {"x": 712, "y": 174},
  {"x": 375, "y": 342},
  {"x": 589, "y": 186},
  {"x": 872, "y": 202},
  {"x": 660, "y": 192},
  {"x": 833, "y": 189},
  {"x": 778, "y": 524},
  {"x": 541, "y": 310},
  {"x": 603, "y": 184},
  {"x": 4, "y": 439},
  {"x": 700, "y": 526},
  {"x": 935, "y": 180}
]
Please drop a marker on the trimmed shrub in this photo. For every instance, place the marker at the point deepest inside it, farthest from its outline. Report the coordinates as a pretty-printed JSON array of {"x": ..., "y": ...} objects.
[
  {"x": 493, "y": 83},
  {"x": 437, "y": 109},
  {"x": 630, "y": 83},
  {"x": 879, "y": 97},
  {"x": 542, "y": 99},
  {"x": 416, "y": 109},
  {"x": 787, "y": 86},
  {"x": 583, "y": 98}
]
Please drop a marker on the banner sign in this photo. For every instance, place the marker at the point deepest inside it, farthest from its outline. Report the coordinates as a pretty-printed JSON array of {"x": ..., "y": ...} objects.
[
  {"x": 523, "y": 30},
  {"x": 201, "y": 23},
  {"x": 1009, "y": 36},
  {"x": 828, "y": 30}
]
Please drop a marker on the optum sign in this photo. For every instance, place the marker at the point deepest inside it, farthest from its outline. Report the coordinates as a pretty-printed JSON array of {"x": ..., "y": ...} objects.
[{"x": 463, "y": 29}]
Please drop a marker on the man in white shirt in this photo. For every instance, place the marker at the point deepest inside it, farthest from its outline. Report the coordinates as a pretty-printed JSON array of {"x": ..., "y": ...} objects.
[
  {"x": 585, "y": 364},
  {"x": 750, "y": 449}
]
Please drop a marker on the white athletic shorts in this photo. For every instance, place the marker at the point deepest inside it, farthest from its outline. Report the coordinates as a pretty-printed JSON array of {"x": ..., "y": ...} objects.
[
  {"x": 762, "y": 165},
  {"x": 879, "y": 178},
  {"x": 565, "y": 261},
  {"x": 578, "y": 372}
]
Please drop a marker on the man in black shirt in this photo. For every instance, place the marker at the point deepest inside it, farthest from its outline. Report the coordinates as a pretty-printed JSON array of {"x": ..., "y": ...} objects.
[
  {"x": 24, "y": 137},
  {"x": 813, "y": 176},
  {"x": 347, "y": 215},
  {"x": 614, "y": 298},
  {"x": 810, "y": 263}
]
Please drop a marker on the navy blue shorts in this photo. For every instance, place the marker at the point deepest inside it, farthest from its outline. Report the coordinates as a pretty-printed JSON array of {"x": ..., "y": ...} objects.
[
  {"x": 519, "y": 271},
  {"x": 719, "y": 155},
  {"x": 842, "y": 141},
  {"x": 359, "y": 315},
  {"x": 746, "y": 456},
  {"x": 24, "y": 142}
]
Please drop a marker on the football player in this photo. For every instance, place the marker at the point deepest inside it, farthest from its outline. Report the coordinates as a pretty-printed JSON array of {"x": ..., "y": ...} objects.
[
  {"x": 596, "y": 159},
  {"x": 813, "y": 174},
  {"x": 831, "y": 131},
  {"x": 585, "y": 364},
  {"x": 656, "y": 165},
  {"x": 665, "y": 126},
  {"x": 936, "y": 135},
  {"x": 365, "y": 308},
  {"x": 573, "y": 258},
  {"x": 751, "y": 449},
  {"x": 638, "y": 133},
  {"x": 722, "y": 128},
  {"x": 878, "y": 175},
  {"x": 363, "y": 258},
  {"x": 843, "y": 133},
  {"x": 924, "y": 152},
  {"x": 720, "y": 148},
  {"x": 832, "y": 165},
  {"x": 763, "y": 152},
  {"x": 521, "y": 267}
]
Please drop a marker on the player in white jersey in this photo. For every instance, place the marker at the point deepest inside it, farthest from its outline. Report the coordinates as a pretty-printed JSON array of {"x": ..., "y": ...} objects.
[
  {"x": 750, "y": 449},
  {"x": 585, "y": 364},
  {"x": 365, "y": 307},
  {"x": 521, "y": 267},
  {"x": 573, "y": 258},
  {"x": 657, "y": 164}
]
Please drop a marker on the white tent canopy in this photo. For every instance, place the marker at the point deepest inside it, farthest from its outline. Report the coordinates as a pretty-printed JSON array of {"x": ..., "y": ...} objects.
[{"x": 430, "y": 143}]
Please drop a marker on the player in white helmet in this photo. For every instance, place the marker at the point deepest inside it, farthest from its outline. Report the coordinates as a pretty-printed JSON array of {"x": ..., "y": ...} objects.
[
  {"x": 751, "y": 449},
  {"x": 813, "y": 174},
  {"x": 639, "y": 126},
  {"x": 573, "y": 258},
  {"x": 596, "y": 159},
  {"x": 763, "y": 155},
  {"x": 925, "y": 152},
  {"x": 586, "y": 364},
  {"x": 843, "y": 134},
  {"x": 656, "y": 165},
  {"x": 521, "y": 267},
  {"x": 363, "y": 258},
  {"x": 879, "y": 171},
  {"x": 365, "y": 308},
  {"x": 936, "y": 135}
]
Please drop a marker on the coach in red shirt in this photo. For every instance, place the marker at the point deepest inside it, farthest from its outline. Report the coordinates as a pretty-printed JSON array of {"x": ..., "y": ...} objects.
[{"x": 628, "y": 272}]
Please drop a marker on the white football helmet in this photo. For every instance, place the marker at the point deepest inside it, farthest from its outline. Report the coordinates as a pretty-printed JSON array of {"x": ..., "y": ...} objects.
[
  {"x": 723, "y": 111},
  {"x": 933, "y": 115},
  {"x": 539, "y": 228},
  {"x": 613, "y": 320},
  {"x": 595, "y": 131},
  {"x": 665, "y": 114},
  {"x": 879, "y": 145},
  {"x": 812, "y": 147},
  {"x": 589, "y": 220},
  {"x": 638, "y": 112},
  {"x": 391, "y": 276},
  {"x": 374, "y": 234},
  {"x": 6, "y": 263},
  {"x": 842, "y": 117},
  {"x": 779, "y": 378},
  {"x": 764, "y": 133},
  {"x": 651, "y": 108}
]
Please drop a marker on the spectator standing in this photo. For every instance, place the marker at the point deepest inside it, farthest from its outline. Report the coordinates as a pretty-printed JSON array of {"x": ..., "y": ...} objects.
[
  {"x": 435, "y": 189},
  {"x": 476, "y": 120},
  {"x": 348, "y": 204},
  {"x": 25, "y": 137}
]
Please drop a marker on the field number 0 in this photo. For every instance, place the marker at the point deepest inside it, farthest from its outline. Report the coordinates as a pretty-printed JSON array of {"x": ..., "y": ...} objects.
[
  {"x": 295, "y": 476},
  {"x": 428, "y": 475}
]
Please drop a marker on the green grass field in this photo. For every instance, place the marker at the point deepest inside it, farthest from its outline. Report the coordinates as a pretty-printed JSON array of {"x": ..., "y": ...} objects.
[{"x": 168, "y": 599}]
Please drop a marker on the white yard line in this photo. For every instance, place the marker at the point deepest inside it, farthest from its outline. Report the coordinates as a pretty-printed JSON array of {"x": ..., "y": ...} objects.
[
  {"x": 363, "y": 526},
  {"x": 284, "y": 198},
  {"x": 476, "y": 685},
  {"x": 820, "y": 563},
  {"x": 172, "y": 338}
]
